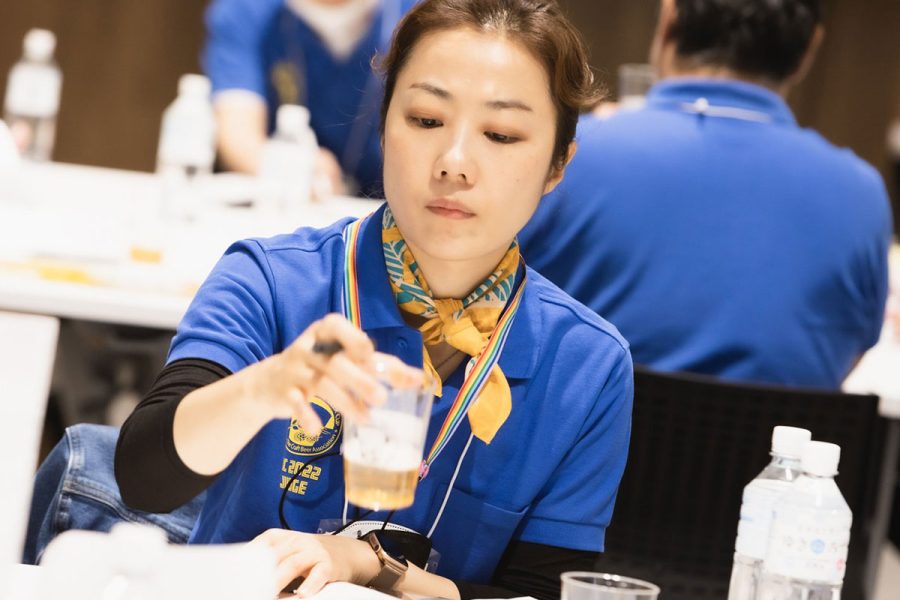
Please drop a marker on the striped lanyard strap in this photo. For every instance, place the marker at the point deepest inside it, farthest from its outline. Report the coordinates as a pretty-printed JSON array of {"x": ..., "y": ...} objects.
[{"x": 479, "y": 367}]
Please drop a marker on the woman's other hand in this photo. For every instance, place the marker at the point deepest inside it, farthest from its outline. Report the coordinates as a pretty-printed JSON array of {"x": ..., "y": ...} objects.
[{"x": 319, "y": 559}]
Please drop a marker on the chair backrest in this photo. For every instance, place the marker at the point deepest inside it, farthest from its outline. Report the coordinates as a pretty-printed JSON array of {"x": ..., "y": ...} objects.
[
  {"x": 695, "y": 443},
  {"x": 27, "y": 350}
]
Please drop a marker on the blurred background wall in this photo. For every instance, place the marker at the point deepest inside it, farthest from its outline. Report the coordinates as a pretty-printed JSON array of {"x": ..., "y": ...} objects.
[{"x": 121, "y": 60}]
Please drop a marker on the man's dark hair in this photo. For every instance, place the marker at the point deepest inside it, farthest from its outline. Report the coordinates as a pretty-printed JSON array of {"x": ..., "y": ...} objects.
[{"x": 763, "y": 38}]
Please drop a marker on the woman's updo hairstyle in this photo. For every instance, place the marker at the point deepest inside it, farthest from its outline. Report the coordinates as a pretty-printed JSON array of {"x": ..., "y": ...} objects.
[{"x": 538, "y": 25}]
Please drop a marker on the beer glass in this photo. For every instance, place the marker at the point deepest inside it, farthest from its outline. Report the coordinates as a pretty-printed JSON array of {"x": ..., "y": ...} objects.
[
  {"x": 382, "y": 455},
  {"x": 583, "y": 585}
]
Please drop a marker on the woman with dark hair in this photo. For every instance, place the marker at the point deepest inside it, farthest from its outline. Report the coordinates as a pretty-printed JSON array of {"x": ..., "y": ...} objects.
[{"x": 480, "y": 107}]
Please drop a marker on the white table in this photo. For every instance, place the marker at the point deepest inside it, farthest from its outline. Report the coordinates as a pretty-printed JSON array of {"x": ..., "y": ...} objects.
[
  {"x": 92, "y": 244},
  {"x": 23, "y": 582},
  {"x": 879, "y": 373}
]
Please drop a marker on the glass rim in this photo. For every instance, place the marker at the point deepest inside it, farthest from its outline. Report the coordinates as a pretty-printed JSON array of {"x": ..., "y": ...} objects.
[
  {"x": 425, "y": 388},
  {"x": 643, "y": 588}
]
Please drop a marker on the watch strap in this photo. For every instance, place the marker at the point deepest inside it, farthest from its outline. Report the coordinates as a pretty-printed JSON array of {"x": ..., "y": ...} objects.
[{"x": 391, "y": 568}]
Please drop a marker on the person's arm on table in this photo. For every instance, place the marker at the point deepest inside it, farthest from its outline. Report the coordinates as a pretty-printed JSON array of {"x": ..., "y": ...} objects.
[
  {"x": 241, "y": 121},
  {"x": 526, "y": 568}
]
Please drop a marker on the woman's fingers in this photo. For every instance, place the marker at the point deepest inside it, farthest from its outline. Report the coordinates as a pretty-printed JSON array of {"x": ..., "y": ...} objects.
[
  {"x": 295, "y": 553},
  {"x": 395, "y": 371},
  {"x": 316, "y": 559},
  {"x": 336, "y": 361},
  {"x": 355, "y": 343},
  {"x": 304, "y": 412},
  {"x": 308, "y": 559},
  {"x": 318, "y": 576},
  {"x": 294, "y": 565},
  {"x": 341, "y": 400},
  {"x": 354, "y": 378}
]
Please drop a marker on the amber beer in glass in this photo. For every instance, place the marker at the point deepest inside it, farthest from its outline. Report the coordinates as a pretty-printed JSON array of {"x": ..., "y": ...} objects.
[{"x": 382, "y": 456}]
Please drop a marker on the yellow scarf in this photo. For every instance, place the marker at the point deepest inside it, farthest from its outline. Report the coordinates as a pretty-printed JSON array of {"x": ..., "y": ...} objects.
[{"x": 464, "y": 324}]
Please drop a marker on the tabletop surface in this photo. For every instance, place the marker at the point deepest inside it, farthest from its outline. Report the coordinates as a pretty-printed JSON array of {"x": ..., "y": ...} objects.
[{"x": 93, "y": 244}]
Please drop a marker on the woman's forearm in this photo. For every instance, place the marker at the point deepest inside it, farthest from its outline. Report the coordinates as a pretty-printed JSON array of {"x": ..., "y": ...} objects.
[
  {"x": 213, "y": 423},
  {"x": 422, "y": 583}
]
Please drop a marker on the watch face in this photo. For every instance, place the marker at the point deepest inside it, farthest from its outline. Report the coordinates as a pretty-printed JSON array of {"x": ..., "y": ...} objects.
[
  {"x": 392, "y": 547},
  {"x": 405, "y": 546}
]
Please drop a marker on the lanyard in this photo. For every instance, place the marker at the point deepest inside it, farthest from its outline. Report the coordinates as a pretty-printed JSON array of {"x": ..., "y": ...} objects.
[{"x": 479, "y": 371}]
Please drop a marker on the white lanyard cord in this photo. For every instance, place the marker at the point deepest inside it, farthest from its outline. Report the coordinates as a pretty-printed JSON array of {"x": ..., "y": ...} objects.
[{"x": 437, "y": 519}]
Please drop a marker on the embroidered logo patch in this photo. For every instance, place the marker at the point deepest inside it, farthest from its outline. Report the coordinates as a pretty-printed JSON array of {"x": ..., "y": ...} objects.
[{"x": 301, "y": 444}]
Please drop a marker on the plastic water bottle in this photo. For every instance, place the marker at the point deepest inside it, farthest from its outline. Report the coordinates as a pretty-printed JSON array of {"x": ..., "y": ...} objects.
[
  {"x": 187, "y": 145},
  {"x": 288, "y": 161},
  {"x": 32, "y": 96},
  {"x": 807, "y": 554},
  {"x": 760, "y": 496}
]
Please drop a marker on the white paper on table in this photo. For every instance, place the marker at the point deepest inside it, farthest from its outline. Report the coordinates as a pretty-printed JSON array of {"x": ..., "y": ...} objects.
[
  {"x": 876, "y": 374},
  {"x": 340, "y": 590}
]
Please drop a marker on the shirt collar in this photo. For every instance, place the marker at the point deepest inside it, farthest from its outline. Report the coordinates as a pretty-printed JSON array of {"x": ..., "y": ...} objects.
[
  {"x": 378, "y": 309},
  {"x": 675, "y": 92}
]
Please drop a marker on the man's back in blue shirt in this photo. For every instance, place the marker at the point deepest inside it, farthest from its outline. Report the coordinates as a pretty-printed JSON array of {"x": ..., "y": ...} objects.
[{"x": 731, "y": 243}]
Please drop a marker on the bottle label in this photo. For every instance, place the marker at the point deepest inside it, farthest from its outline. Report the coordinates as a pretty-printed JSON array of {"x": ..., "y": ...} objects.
[
  {"x": 809, "y": 544},
  {"x": 33, "y": 91},
  {"x": 187, "y": 143},
  {"x": 757, "y": 507}
]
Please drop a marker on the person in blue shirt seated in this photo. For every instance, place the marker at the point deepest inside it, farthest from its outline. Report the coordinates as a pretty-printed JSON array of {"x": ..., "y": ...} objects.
[
  {"x": 480, "y": 108},
  {"x": 715, "y": 233},
  {"x": 260, "y": 54}
]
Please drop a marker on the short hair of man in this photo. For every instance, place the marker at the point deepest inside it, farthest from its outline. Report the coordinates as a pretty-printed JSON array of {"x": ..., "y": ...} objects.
[{"x": 761, "y": 38}]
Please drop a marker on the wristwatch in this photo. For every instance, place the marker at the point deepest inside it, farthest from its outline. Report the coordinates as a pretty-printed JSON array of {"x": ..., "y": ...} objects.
[{"x": 393, "y": 564}]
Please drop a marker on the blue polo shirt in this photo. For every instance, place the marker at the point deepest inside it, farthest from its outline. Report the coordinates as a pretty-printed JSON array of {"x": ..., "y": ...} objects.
[
  {"x": 549, "y": 476},
  {"x": 728, "y": 241},
  {"x": 263, "y": 47}
]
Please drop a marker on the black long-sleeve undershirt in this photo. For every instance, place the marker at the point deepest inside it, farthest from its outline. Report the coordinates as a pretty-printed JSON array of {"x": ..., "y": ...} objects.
[{"x": 152, "y": 478}]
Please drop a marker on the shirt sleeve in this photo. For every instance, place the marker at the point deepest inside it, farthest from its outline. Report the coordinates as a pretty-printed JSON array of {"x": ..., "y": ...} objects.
[
  {"x": 576, "y": 504},
  {"x": 232, "y": 319},
  {"x": 872, "y": 268},
  {"x": 234, "y": 54},
  {"x": 150, "y": 474},
  {"x": 529, "y": 570}
]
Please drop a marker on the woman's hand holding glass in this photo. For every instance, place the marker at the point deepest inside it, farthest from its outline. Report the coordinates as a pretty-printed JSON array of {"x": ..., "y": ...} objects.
[{"x": 286, "y": 382}]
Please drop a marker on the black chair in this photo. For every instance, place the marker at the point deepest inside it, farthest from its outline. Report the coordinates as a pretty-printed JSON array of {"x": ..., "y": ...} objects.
[{"x": 696, "y": 441}]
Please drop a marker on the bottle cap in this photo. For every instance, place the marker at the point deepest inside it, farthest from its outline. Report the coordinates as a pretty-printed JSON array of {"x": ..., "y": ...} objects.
[
  {"x": 821, "y": 459},
  {"x": 191, "y": 84},
  {"x": 789, "y": 441},
  {"x": 39, "y": 44},
  {"x": 292, "y": 119}
]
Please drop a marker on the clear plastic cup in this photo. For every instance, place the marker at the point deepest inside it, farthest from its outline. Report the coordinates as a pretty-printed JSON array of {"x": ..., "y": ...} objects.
[
  {"x": 382, "y": 456},
  {"x": 584, "y": 585}
]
